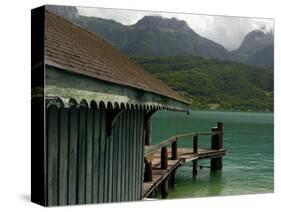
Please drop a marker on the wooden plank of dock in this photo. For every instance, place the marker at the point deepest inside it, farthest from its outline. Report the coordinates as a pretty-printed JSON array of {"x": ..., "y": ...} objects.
[{"x": 183, "y": 155}]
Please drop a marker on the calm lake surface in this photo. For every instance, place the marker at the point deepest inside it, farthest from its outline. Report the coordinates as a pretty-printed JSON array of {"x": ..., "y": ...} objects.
[{"x": 248, "y": 164}]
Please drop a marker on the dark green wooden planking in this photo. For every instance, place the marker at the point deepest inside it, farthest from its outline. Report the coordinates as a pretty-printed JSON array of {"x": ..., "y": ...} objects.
[
  {"x": 127, "y": 156},
  {"x": 96, "y": 129},
  {"x": 134, "y": 158},
  {"x": 63, "y": 155},
  {"x": 142, "y": 152},
  {"x": 119, "y": 161},
  {"x": 85, "y": 166},
  {"x": 72, "y": 155},
  {"x": 129, "y": 117},
  {"x": 81, "y": 156},
  {"x": 111, "y": 167},
  {"x": 102, "y": 156},
  {"x": 138, "y": 154},
  {"x": 52, "y": 155},
  {"x": 131, "y": 143},
  {"x": 107, "y": 176},
  {"x": 89, "y": 155},
  {"x": 114, "y": 171},
  {"x": 123, "y": 156},
  {"x": 136, "y": 163},
  {"x": 128, "y": 166}
]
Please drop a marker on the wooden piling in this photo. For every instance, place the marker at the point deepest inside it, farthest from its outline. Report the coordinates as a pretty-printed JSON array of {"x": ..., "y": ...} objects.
[
  {"x": 195, "y": 144},
  {"x": 164, "y": 158},
  {"x": 174, "y": 150},
  {"x": 164, "y": 189},
  {"x": 172, "y": 179},
  {"x": 194, "y": 167},
  {"x": 217, "y": 143},
  {"x": 147, "y": 171}
]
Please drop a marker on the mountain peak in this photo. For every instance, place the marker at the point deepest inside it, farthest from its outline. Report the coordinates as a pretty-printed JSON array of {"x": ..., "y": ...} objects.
[
  {"x": 263, "y": 33},
  {"x": 257, "y": 48},
  {"x": 159, "y": 21},
  {"x": 259, "y": 37},
  {"x": 265, "y": 29}
]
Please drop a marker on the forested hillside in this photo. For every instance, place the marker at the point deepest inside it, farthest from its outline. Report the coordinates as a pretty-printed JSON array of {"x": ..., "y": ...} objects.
[{"x": 213, "y": 84}]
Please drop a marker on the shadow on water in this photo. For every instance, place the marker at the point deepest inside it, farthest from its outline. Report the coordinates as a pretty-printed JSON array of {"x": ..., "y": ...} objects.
[{"x": 216, "y": 183}]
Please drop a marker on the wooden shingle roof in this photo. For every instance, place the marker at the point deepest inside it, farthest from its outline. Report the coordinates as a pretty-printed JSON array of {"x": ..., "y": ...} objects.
[{"x": 75, "y": 49}]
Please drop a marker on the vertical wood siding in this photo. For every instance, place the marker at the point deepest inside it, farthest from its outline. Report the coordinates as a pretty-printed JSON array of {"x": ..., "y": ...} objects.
[{"x": 86, "y": 166}]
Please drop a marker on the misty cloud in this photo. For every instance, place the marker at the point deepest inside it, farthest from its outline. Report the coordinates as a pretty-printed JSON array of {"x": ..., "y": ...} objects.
[{"x": 225, "y": 30}]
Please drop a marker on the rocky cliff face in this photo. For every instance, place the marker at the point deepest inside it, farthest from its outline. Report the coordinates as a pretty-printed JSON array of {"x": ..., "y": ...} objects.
[
  {"x": 256, "y": 49},
  {"x": 254, "y": 41}
]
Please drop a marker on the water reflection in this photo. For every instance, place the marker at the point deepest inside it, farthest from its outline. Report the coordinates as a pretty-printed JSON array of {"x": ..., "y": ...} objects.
[{"x": 215, "y": 183}]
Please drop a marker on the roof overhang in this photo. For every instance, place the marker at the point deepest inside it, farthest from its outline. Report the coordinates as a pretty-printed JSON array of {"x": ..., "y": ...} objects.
[{"x": 68, "y": 88}]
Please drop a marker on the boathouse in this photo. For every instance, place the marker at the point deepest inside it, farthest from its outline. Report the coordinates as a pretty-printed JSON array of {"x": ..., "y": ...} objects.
[{"x": 91, "y": 112}]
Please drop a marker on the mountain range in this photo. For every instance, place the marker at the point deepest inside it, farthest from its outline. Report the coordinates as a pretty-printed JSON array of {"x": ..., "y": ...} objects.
[
  {"x": 208, "y": 74},
  {"x": 160, "y": 37}
]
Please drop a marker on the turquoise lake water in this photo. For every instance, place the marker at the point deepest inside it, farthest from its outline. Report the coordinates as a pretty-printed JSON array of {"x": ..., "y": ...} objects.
[{"x": 248, "y": 166}]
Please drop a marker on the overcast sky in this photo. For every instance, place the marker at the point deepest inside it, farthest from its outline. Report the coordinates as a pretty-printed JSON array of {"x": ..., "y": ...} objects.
[{"x": 225, "y": 30}]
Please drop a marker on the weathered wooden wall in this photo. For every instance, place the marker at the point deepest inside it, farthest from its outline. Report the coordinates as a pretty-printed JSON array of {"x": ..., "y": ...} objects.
[{"x": 85, "y": 166}]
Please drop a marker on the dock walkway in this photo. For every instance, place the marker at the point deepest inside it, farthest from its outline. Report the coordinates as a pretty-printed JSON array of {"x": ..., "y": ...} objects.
[
  {"x": 161, "y": 162},
  {"x": 184, "y": 155}
]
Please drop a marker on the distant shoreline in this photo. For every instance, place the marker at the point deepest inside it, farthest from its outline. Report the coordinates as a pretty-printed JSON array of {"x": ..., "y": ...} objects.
[{"x": 234, "y": 110}]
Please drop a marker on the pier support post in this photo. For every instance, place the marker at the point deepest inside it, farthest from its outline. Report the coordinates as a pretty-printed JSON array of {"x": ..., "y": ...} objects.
[
  {"x": 194, "y": 167},
  {"x": 147, "y": 171},
  {"x": 174, "y": 150},
  {"x": 164, "y": 189},
  {"x": 164, "y": 158},
  {"x": 217, "y": 143},
  {"x": 195, "y": 144},
  {"x": 172, "y": 179}
]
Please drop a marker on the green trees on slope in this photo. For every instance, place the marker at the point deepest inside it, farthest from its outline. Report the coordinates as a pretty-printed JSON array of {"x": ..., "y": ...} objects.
[{"x": 209, "y": 83}]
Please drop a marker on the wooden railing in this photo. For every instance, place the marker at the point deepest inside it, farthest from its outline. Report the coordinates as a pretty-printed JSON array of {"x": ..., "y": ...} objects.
[{"x": 216, "y": 144}]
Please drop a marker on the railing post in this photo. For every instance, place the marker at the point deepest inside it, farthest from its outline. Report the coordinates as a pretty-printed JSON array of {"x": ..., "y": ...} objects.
[
  {"x": 217, "y": 143},
  {"x": 195, "y": 144},
  {"x": 175, "y": 150},
  {"x": 147, "y": 171},
  {"x": 164, "y": 158}
]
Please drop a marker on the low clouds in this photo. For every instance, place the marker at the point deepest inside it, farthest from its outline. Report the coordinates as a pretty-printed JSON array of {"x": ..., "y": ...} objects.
[
  {"x": 225, "y": 30},
  {"x": 228, "y": 31}
]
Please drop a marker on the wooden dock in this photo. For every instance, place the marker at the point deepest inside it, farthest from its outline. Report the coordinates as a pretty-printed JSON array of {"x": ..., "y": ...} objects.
[
  {"x": 184, "y": 155},
  {"x": 161, "y": 162}
]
